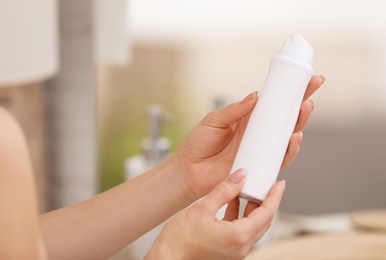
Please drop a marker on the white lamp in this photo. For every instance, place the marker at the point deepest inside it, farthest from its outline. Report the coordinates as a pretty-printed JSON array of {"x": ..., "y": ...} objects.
[{"x": 28, "y": 41}]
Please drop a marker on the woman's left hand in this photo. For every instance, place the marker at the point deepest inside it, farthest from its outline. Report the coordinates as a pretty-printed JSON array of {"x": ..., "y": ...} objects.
[{"x": 205, "y": 157}]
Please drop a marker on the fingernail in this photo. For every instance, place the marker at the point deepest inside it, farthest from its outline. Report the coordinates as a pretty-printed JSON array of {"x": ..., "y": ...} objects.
[
  {"x": 238, "y": 176},
  {"x": 301, "y": 137},
  {"x": 323, "y": 78},
  {"x": 283, "y": 185},
  {"x": 249, "y": 97}
]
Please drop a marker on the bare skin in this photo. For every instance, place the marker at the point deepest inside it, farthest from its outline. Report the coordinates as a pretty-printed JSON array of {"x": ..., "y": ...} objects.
[
  {"x": 19, "y": 233},
  {"x": 101, "y": 226}
]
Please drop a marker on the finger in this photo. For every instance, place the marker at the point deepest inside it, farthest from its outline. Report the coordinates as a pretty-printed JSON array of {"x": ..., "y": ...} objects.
[
  {"x": 232, "y": 113},
  {"x": 232, "y": 211},
  {"x": 293, "y": 149},
  {"x": 251, "y": 206},
  {"x": 224, "y": 192},
  {"x": 263, "y": 215},
  {"x": 304, "y": 115},
  {"x": 314, "y": 85}
]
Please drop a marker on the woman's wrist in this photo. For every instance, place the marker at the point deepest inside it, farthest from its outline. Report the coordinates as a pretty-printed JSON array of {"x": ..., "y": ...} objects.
[
  {"x": 160, "y": 251},
  {"x": 182, "y": 177}
]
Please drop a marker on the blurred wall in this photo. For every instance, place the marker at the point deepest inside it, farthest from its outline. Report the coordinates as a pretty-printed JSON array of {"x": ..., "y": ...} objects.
[{"x": 338, "y": 170}]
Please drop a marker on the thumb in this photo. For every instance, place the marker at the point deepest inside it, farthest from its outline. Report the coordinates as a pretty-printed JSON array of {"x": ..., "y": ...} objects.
[
  {"x": 232, "y": 113},
  {"x": 225, "y": 191}
]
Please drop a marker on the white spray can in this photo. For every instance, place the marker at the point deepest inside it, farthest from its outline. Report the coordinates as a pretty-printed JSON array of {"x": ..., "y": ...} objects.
[{"x": 273, "y": 119}]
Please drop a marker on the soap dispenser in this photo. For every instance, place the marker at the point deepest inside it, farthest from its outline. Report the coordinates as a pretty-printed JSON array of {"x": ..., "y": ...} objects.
[{"x": 154, "y": 149}]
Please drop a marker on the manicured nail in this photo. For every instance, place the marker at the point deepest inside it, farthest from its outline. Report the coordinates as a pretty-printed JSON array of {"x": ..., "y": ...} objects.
[
  {"x": 300, "y": 138},
  {"x": 249, "y": 97},
  {"x": 283, "y": 185},
  {"x": 323, "y": 78},
  {"x": 238, "y": 176}
]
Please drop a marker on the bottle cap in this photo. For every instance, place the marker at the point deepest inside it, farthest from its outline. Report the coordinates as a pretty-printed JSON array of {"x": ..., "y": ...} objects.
[{"x": 297, "y": 47}]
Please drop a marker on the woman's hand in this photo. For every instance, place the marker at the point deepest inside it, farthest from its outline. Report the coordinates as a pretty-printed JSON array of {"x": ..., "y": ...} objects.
[
  {"x": 206, "y": 155},
  {"x": 195, "y": 233}
]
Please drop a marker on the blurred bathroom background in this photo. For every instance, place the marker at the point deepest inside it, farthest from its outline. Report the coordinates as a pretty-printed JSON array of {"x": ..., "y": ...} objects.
[{"x": 83, "y": 74}]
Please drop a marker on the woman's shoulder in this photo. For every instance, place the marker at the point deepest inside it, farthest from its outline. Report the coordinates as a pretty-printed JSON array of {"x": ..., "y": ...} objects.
[
  {"x": 7, "y": 121},
  {"x": 6, "y": 118},
  {"x": 10, "y": 131}
]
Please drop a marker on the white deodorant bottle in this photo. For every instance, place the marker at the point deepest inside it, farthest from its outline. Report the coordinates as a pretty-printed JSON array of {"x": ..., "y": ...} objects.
[{"x": 273, "y": 119}]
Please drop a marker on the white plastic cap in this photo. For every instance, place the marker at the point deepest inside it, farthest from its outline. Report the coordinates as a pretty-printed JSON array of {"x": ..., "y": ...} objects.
[{"x": 297, "y": 47}]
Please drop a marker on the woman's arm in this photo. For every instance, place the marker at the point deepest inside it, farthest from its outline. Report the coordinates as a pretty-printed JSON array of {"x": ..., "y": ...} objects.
[
  {"x": 19, "y": 232},
  {"x": 99, "y": 227}
]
